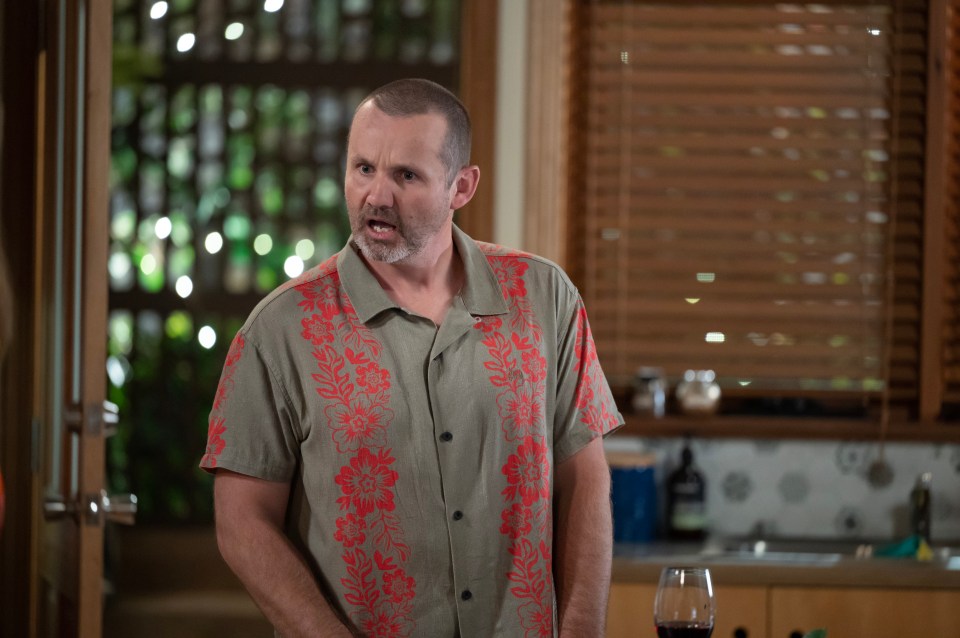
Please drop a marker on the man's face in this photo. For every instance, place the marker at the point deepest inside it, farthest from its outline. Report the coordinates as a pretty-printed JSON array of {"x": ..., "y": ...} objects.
[{"x": 396, "y": 187}]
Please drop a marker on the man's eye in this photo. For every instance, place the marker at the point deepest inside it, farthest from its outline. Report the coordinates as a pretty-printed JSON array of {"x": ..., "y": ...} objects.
[
  {"x": 366, "y": 169},
  {"x": 408, "y": 176}
]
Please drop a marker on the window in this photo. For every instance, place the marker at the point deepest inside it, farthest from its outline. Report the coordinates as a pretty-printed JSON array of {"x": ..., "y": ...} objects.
[
  {"x": 749, "y": 191},
  {"x": 229, "y": 119}
]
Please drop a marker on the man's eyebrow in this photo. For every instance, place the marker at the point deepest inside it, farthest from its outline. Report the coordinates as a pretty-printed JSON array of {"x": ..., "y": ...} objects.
[
  {"x": 356, "y": 158},
  {"x": 409, "y": 167}
]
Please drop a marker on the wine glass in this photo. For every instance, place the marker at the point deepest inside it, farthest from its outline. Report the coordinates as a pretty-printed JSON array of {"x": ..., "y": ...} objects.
[{"x": 685, "y": 606}]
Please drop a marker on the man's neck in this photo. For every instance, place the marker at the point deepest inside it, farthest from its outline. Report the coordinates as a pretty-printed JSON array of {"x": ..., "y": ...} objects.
[{"x": 425, "y": 286}]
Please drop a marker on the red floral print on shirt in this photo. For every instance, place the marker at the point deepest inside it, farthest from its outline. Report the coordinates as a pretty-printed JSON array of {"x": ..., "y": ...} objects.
[
  {"x": 518, "y": 367},
  {"x": 350, "y": 530},
  {"x": 516, "y": 521},
  {"x": 229, "y": 370},
  {"x": 536, "y": 619},
  {"x": 489, "y": 324},
  {"x": 599, "y": 420},
  {"x": 356, "y": 390},
  {"x": 217, "y": 425},
  {"x": 535, "y": 365},
  {"x": 215, "y": 442},
  {"x": 386, "y": 624},
  {"x": 318, "y": 294},
  {"x": 526, "y": 473},
  {"x": 530, "y": 573},
  {"x": 317, "y": 330},
  {"x": 509, "y": 273},
  {"x": 398, "y": 586},
  {"x": 362, "y": 423},
  {"x": 373, "y": 378},
  {"x": 365, "y": 482},
  {"x": 521, "y": 413}
]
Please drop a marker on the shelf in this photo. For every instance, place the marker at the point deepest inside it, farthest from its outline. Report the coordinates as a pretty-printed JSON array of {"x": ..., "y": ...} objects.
[{"x": 774, "y": 427}]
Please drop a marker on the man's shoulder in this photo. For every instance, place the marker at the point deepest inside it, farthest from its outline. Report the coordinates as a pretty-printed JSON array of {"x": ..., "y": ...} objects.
[
  {"x": 292, "y": 293},
  {"x": 533, "y": 264},
  {"x": 494, "y": 252}
]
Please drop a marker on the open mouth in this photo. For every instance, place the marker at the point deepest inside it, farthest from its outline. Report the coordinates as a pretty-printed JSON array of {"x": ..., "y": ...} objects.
[{"x": 380, "y": 226}]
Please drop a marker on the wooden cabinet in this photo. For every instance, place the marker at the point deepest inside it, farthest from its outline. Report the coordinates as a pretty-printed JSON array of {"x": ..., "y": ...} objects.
[
  {"x": 789, "y": 612},
  {"x": 860, "y": 612},
  {"x": 739, "y": 609},
  {"x": 630, "y": 612},
  {"x": 741, "y": 612}
]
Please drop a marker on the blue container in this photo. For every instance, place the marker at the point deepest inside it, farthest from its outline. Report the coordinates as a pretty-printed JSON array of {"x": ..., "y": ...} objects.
[{"x": 634, "y": 496}]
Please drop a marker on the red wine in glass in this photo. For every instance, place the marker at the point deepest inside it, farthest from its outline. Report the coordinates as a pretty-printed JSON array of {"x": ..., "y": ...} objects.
[
  {"x": 685, "y": 606},
  {"x": 681, "y": 629}
]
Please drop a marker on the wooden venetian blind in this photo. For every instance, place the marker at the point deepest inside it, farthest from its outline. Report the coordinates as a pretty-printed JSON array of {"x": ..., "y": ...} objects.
[
  {"x": 750, "y": 184},
  {"x": 951, "y": 327}
]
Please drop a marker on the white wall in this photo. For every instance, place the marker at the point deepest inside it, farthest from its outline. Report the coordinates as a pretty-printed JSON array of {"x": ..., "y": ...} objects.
[{"x": 511, "y": 108}]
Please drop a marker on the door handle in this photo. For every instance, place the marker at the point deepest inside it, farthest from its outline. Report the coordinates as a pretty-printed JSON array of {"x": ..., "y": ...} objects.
[
  {"x": 102, "y": 419},
  {"x": 119, "y": 508},
  {"x": 56, "y": 508},
  {"x": 96, "y": 509}
]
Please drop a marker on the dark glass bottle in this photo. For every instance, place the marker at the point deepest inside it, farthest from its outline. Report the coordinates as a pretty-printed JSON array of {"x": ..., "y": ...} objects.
[
  {"x": 686, "y": 501},
  {"x": 920, "y": 506}
]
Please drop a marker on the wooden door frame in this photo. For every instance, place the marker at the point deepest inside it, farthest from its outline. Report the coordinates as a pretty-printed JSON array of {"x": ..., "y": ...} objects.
[
  {"x": 547, "y": 145},
  {"x": 478, "y": 91},
  {"x": 95, "y": 196},
  {"x": 23, "y": 83},
  {"x": 20, "y": 33}
]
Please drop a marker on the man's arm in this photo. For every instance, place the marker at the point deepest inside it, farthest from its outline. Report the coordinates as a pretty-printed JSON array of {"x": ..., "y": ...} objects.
[
  {"x": 583, "y": 546},
  {"x": 249, "y": 518}
]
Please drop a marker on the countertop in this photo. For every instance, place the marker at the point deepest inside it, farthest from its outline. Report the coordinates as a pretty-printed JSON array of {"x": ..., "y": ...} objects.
[{"x": 789, "y": 563}]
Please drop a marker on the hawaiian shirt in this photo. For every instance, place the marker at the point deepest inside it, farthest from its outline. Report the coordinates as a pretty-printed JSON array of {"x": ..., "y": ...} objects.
[{"x": 421, "y": 458}]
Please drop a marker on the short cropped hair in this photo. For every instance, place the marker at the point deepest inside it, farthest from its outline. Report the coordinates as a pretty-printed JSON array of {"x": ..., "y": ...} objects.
[{"x": 415, "y": 96}]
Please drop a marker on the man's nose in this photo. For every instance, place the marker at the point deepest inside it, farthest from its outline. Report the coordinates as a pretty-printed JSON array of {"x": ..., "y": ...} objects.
[{"x": 380, "y": 194}]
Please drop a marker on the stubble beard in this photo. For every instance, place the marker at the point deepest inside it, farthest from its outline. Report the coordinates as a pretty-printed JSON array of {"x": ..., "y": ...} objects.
[{"x": 409, "y": 240}]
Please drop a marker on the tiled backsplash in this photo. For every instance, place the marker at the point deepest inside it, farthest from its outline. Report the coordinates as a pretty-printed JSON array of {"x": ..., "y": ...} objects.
[{"x": 812, "y": 489}]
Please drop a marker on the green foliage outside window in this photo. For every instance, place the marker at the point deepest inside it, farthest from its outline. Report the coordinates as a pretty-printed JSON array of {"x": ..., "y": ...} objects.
[{"x": 229, "y": 121}]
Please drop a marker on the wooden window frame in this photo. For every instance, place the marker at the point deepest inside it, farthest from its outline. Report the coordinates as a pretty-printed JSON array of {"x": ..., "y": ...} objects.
[{"x": 478, "y": 91}]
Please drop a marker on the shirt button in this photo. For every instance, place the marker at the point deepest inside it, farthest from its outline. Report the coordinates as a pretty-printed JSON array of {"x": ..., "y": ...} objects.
[
  {"x": 466, "y": 595},
  {"x": 457, "y": 515},
  {"x": 446, "y": 436}
]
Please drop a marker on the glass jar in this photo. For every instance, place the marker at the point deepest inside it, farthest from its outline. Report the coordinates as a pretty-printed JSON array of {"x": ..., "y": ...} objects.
[
  {"x": 698, "y": 393},
  {"x": 649, "y": 392}
]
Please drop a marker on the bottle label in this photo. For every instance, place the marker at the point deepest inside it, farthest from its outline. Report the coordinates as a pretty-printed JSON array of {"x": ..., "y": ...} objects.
[
  {"x": 688, "y": 516},
  {"x": 688, "y": 491}
]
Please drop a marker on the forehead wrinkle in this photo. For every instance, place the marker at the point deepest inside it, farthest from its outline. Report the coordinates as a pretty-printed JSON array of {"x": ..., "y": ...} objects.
[{"x": 411, "y": 149}]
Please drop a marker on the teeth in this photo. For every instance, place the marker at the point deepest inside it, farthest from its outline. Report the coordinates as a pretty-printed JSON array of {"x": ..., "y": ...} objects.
[{"x": 380, "y": 228}]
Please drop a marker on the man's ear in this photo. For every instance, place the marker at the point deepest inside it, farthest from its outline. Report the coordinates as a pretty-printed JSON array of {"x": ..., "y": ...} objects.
[{"x": 464, "y": 186}]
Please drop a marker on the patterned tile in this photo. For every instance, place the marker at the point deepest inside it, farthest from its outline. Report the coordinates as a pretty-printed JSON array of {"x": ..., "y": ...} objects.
[{"x": 816, "y": 489}]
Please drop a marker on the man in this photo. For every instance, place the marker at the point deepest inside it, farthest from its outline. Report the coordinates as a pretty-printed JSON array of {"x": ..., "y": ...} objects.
[{"x": 407, "y": 438}]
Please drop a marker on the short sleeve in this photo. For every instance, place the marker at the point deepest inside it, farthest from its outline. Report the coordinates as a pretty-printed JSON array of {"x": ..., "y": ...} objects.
[
  {"x": 250, "y": 429},
  {"x": 585, "y": 405}
]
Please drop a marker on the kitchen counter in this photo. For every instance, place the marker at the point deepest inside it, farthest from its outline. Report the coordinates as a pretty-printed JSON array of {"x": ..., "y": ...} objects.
[{"x": 789, "y": 563}]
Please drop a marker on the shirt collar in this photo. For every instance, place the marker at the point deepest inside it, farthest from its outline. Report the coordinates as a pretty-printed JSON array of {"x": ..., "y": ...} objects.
[{"x": 481, "y": 294}]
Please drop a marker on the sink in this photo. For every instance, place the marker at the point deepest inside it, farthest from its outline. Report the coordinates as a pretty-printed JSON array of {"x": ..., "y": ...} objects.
[{"x": 806, "y": 551}]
